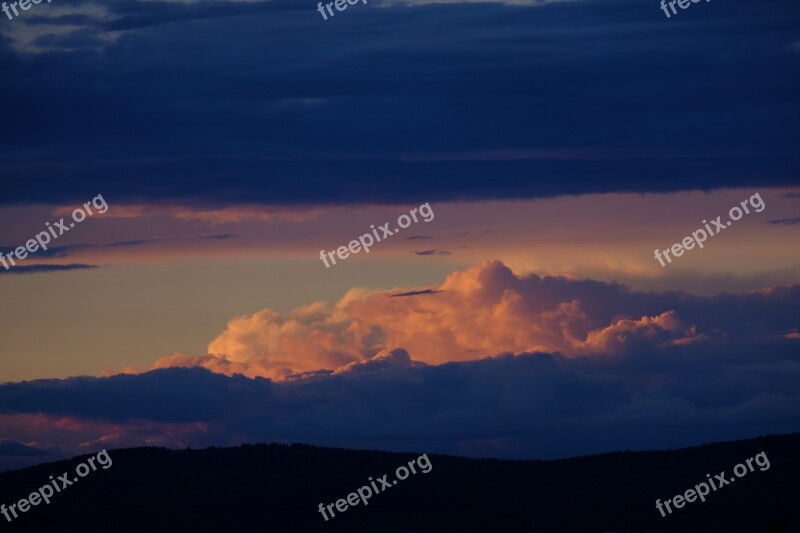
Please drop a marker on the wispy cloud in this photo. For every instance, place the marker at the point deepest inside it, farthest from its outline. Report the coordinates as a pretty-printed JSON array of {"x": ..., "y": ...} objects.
[
  {"x": 785, "y": 221},
  {"x": 432, "y": 251},
  {"x": 53, "y": 252},
  {"x": 415, "y": 293},
  {"x": 44, "y": 269}
]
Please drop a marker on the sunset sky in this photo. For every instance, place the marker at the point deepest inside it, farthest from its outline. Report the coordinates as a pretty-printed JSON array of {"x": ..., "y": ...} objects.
[{"x": 558, "y": 145}]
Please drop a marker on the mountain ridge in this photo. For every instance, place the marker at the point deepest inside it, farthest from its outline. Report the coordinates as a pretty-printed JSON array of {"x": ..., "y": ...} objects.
[{"x": 278, "y": 487}]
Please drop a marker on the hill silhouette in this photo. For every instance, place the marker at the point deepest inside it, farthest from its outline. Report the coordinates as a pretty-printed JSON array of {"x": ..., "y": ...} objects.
[{"x": 279, "y": 487}]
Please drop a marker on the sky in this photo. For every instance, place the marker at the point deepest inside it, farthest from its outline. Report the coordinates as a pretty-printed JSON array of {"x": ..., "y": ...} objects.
[{"x": 546, "y": 150}]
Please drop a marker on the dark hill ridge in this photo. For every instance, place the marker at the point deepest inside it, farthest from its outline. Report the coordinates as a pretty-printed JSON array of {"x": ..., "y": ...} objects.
[{"x": 276, "y": 488}]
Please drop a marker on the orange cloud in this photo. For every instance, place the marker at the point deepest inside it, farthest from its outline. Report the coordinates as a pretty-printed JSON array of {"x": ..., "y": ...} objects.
[
  {"x": 479, "y": 312},
  {"x": 627, "y": 334}
]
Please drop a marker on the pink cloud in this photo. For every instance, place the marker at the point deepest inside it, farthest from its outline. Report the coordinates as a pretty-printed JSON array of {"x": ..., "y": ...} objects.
[
  {"x": 80, "y": 435},
  {"x": 482, "y": 311},
  {"x": 628, "y": 334}
]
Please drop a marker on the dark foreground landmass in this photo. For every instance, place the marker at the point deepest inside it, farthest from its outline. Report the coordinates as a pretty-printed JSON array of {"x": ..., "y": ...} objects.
[{"x": 276, "y": 488}]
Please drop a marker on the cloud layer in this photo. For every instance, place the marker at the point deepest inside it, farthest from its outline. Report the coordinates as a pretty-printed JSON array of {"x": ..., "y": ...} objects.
[
  {"x": 529, "y": 405},
  {"x": 548, "y": 98}
]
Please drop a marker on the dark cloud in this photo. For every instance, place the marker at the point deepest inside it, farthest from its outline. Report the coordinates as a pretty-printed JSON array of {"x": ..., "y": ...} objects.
[
  {"x": 170, "y": 395},
  {"x": 15, "y": 455},
  {"x": 218, "y": 236},
  {"x": 530, "y": 405},
  {"x": 418, "y": 238},
  {"x": 785, "y": 221},
  {"x": 414, "y": 293},
  {"x": 432, "y": 251},
  {"x": 44, "y": 269},
  {"x": 71, "y": 249},
  {"x": 263, "y": 102}
]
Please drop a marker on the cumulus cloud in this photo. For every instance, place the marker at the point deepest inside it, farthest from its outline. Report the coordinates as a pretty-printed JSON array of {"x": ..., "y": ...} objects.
[
  {"x": 583, "y": 367},
  {"x": 483, "y": 311},
  {"x": 628, "y": 334}
]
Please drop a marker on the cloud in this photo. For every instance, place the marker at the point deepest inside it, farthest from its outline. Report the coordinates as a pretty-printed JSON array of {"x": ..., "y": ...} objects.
[
  {"x": 229, "y": 215},
  {"x": 386, "y": 362},
  {"x": 222, "y": 365},
  {"x": 44, "y": 269},
  {"x": 15, "y": 455},
  {"x": 520, "y": 3},
  {"x": 217, "y": 236},
  {"x": 71, "y": 249},
  {"x": 414, "y": 293},
  {"x": 198, "y": 136},
  {"x": 173, "y": 395},
  {"x": 630, "y": 335},
  {"x": 785, "y": 221},
  {"x": 210, "y": 215},
  {"x": 529, "y": 404},
  {"x": 432, "y": 252},
  {"x": 68, "y": 250},
  {"x": 9, "y": 447},
  {"x": 483, "y": 311}
]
